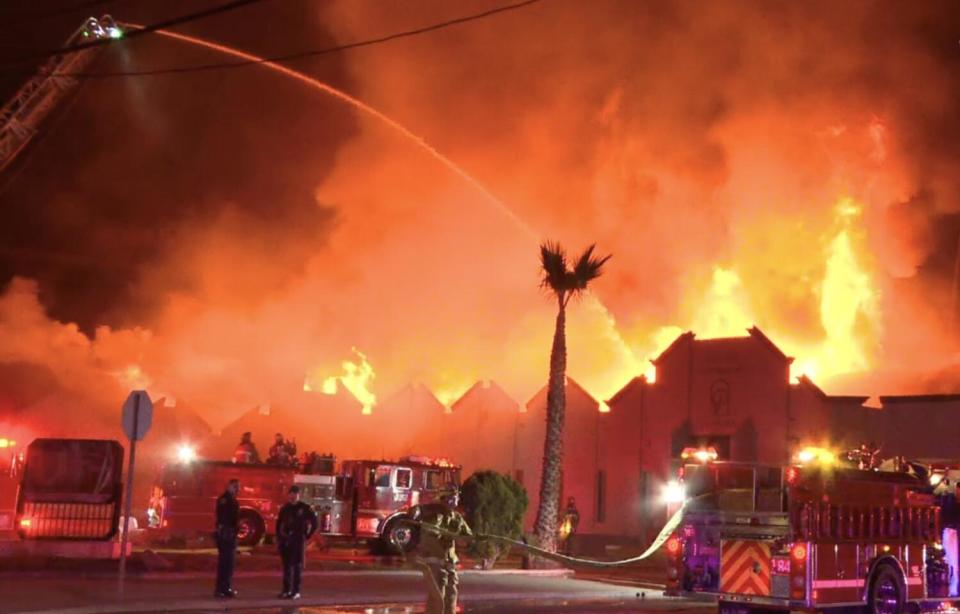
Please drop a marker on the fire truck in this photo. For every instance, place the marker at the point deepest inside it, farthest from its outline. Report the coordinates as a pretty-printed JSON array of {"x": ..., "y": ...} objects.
[
  {"x": 360, "y": 500},
  {"x": 369, "y": 499},
  {"x": 816, "y": 534}
]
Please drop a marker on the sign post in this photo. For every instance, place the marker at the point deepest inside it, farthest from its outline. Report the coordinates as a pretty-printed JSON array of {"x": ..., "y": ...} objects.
[{"x": 136, "y": 419}]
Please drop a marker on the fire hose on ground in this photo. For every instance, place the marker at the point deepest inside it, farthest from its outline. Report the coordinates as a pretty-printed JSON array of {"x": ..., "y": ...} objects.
[{"x": 665, "y": 533}]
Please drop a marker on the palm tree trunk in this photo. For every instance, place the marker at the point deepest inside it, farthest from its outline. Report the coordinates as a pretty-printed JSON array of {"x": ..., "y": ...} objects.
[{"x": 546, "y": 525}]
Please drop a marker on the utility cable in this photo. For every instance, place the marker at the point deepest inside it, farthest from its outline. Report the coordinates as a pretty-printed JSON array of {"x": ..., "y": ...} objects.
[
  {"x": 168, "y": 23},
  {"x": 296, "y": 55}
]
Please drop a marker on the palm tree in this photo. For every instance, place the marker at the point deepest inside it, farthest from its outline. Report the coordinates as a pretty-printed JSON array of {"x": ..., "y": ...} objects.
[{"x": 564, "y": 283}]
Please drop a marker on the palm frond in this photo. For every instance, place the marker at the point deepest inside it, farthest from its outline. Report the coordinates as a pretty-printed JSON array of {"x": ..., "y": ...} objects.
[
  {"x": 586, "y": 268},
  {"x": 553, "y": 260}
]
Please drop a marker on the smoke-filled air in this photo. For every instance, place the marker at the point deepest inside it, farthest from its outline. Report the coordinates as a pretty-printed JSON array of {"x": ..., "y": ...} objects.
[{"x": 768, "y": 164}]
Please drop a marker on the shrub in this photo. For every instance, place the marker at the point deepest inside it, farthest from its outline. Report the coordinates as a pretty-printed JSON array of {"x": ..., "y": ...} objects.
[{"x": 494, "y": 504}]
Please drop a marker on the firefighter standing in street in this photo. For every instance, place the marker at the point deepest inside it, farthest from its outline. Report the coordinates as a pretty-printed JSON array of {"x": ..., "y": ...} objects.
[
  {"x": 436, "y": 553},
  {"x": 228, "y": 511},
  {"x": 296, "y": 523}
]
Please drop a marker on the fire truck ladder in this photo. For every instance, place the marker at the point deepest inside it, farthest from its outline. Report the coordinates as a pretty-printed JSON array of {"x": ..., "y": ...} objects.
[{"x": 21, "y": 117}]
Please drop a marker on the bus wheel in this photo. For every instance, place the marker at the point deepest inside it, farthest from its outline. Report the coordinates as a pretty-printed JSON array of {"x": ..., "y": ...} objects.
[
  {"x": 886, "y": 592},
  {"x": 399, "y": 536},
  {"x": 250, "y": 528}
]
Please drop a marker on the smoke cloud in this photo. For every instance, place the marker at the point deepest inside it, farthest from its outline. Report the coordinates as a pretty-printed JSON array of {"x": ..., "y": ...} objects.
[{"x": 221, "y": 237}]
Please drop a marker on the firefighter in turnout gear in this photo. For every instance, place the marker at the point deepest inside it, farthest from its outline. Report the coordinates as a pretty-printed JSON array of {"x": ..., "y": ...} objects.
[
  {"x": 246, "y": 450},
  {"x": 282, "y": 452},
  {"x": 228, "y": 512},
  {"x": 296, "y": 523},
  {"x": 436, "y": 553},
  {"x": 568, "y": 528}
]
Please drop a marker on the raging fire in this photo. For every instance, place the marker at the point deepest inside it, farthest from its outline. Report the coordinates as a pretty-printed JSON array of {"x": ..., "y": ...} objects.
[
  {"x": 357, "y": 377},
  {"x": 848, "y": 307}
]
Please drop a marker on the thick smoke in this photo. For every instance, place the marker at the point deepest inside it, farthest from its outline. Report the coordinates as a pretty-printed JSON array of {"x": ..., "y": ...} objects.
[{"x": 221, "y": 236}]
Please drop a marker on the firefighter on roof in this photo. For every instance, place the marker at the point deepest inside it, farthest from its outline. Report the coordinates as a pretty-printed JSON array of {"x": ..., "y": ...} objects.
[
  {"x": 246, "y": 450},
  {"x": 436, "y": 553},
  {"x": 296, "y": 523},
  {"x": 228, "y": 511}
]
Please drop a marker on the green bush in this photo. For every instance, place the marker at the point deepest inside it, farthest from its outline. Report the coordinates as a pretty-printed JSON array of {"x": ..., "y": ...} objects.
[{"x": 494, "y": 504}]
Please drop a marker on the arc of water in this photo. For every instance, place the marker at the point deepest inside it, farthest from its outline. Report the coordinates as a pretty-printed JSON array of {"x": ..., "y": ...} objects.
[
  {"x": 357, "y": 104},
  {"x": 387, "y": 120}
]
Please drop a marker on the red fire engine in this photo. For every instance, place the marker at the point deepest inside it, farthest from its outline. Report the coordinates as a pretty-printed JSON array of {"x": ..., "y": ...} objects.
[
  {"x": 363, "y": 500},
  {"x": 814, "y": 535}
]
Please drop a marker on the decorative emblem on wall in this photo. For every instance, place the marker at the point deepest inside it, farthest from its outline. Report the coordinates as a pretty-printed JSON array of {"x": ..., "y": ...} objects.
[{"x": 720, "y": 397}]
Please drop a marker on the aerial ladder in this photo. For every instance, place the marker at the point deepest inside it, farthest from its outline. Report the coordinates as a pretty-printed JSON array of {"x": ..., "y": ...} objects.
[{"x": 22, "y": 115}]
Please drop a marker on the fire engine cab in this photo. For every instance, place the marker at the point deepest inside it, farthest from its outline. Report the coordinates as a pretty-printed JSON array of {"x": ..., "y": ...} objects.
[
  {"x": 370, "y": 499},
  {"x": 816, "y": 534},
  {"x": 360, "y": 499}
]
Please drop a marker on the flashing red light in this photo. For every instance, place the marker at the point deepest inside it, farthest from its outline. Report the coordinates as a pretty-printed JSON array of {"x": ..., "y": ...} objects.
[
  {"x": 793, "y": 475},
  {"x": 673, "y": 545},
  {"x": 799, "y": 552}
]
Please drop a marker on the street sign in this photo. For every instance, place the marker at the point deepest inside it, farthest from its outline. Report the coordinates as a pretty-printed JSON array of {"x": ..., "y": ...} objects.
[
  {"x": 136, "y": 420},
  {"x": 137, "y": 415}
]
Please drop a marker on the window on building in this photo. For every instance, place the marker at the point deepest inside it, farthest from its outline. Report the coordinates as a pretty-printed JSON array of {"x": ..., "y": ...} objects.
[
  {"x": 518, "y": 476},
  {"x": 601, "y": 496}
]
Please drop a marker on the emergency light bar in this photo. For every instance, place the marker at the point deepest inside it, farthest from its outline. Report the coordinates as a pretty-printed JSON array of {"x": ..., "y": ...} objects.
[{"x": 702, "y": 455}]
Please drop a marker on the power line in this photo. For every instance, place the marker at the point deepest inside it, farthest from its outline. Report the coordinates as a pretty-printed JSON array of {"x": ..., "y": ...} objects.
[
  {"x": 169, "y": 23},
  {"x": 301, "y": 54}
]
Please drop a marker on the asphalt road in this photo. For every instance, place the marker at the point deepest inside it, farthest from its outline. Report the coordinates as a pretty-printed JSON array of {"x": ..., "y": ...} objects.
[
  {"x": 526, "y": 607},
  {"x": 73, "y": 593}
]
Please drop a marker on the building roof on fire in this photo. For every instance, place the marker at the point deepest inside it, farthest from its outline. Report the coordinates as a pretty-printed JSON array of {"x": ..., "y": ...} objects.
[{"x": 753, "y": 334}]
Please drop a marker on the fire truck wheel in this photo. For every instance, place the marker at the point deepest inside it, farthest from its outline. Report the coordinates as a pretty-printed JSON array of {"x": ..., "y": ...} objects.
[
  {"x": 399, "y": 537},
  {"x": 886, "y": 591},
  {"x": 250, "y": 528}
]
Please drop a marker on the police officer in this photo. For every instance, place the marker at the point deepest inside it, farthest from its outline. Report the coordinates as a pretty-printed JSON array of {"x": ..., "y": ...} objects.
[
  {"x": 228, "y": 511},
  {"x": 436, "y": 553},
  {"x": 296, "y": 523}
]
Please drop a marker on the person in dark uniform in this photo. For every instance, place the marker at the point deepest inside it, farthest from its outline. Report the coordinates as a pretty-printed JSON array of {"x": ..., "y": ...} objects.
[
  {"x": 228, "y": 511},
  {"x": 296, "y": 523},
  {"x": 246, "y": 450}
]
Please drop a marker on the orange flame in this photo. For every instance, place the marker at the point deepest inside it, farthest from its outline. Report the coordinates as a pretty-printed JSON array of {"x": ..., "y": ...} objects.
[
  {"x": 356, "y": 378},
  {"x": 847, "y": 300}
]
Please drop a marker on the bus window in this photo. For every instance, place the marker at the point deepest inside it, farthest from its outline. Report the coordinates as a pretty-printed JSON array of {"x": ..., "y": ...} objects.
[{"x": 404, "y": 478}]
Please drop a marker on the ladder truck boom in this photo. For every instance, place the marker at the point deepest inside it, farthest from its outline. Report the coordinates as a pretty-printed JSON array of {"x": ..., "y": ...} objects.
[{"x": 22, "y": 115}]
